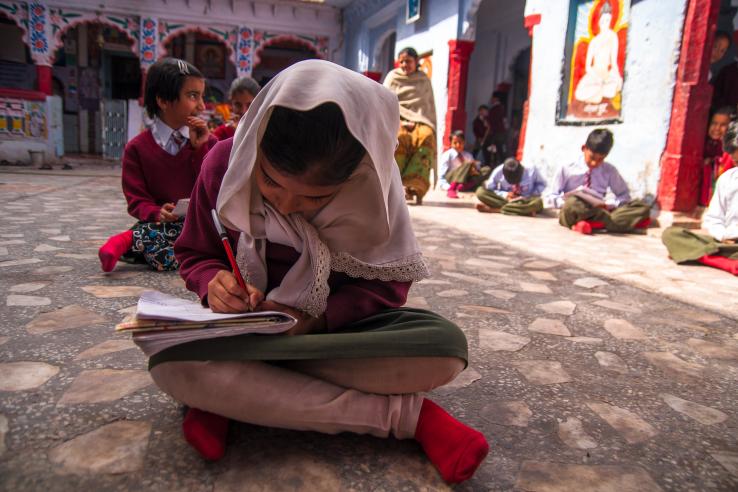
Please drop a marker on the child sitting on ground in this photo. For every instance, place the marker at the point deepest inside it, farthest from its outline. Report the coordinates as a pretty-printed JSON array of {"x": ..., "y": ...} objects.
[
  {"x": 311, "y": 195},
  {"x": 459, "y": 171},
  {"x": 242, "y": 93},
  {"x": 716, "y": 162},
  {"x": 160, "y": 165},
  {"x": 579, "y": 189},
  {"x": 719, "y": 247},
  {"x": 512, "y": 189}
]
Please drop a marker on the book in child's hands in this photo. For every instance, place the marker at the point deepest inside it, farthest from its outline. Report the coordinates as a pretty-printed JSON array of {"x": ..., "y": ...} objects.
[
  {"x": 180, "y": 209},
  {"x": 588, "y": 195},
  {"x": 162, "y": 321}
]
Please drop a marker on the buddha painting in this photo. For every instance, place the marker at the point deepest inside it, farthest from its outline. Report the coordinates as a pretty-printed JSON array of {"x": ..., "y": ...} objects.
[{"x": 595, "y": 81}]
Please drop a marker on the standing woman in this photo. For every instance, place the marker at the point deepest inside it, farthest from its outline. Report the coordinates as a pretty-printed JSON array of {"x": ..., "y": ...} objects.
[{"x": 416, "y": 151}]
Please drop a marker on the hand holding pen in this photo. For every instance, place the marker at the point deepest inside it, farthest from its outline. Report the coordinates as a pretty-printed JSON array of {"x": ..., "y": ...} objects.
[{"x": 227, "y": 291}]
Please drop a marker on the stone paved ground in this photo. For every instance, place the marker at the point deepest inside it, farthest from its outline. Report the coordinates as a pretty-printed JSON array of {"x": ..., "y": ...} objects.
[{"x": 580, "y": 380}]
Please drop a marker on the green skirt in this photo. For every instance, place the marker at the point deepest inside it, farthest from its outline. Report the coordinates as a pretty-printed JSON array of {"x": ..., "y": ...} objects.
[{"x": 403, "y": 332}]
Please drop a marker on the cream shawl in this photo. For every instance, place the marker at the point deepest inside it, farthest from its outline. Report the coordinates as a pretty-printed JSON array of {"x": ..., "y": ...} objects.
[
  {"x": 363, "y": 231},
  {"x": 415, "y": 94}
]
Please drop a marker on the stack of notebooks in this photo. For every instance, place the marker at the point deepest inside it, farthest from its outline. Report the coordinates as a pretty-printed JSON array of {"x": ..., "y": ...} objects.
[{"x": 162, "y": 321}]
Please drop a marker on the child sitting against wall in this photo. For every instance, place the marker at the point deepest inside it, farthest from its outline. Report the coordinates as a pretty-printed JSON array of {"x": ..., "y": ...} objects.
[
  {"x": 459, "y": 171},
  {"x": 716, "y": 162},
  {"x": 160, "y": 166},
  {"x": 242, "y": 93},
  {"x": 579, "y": 189},
  {"x": 512, "y": 190},
  {"x": 719, "y": 247}
]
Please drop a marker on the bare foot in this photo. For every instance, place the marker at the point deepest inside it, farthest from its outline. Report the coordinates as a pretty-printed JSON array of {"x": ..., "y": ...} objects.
[{"x": 481, "y": 207}]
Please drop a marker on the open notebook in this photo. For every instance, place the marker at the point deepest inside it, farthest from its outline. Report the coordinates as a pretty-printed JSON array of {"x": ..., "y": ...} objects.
[{"x": 162, "y": 321}]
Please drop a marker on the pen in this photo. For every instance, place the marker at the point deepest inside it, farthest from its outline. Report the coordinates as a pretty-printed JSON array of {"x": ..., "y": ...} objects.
[{"x": 228, "y": 249}]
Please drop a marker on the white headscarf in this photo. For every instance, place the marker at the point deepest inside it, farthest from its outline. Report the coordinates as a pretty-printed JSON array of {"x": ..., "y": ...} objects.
[{"x": 363, "y": 231}]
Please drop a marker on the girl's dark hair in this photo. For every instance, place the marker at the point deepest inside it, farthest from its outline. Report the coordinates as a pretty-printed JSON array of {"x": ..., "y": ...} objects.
[
  {"x": 164, "y": 80},
  {"x": 458, "y": 134},
  {"x": 512, "y": 170},
  {"x": 409, "y": 52},
  {"x": 316, "y": 141},
  {"x": 600, "y": 141},
  {"x": 728, "y": 111},
  {"x": 730, "y": 140}
]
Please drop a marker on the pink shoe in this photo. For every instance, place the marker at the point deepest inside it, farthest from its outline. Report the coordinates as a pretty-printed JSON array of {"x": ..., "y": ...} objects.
[{"x": 451, "y": 193}]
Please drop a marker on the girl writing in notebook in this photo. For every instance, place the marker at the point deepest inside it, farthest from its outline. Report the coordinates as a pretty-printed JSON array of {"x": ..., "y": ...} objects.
[
  {"x": 309, "y": 191},
  {"x": 161, "y": 164}
]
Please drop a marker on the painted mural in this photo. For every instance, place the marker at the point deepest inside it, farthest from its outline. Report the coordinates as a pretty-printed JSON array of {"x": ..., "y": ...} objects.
[
  {"x": 20, "y": 118},
  {"x": 595, "y": 61}
]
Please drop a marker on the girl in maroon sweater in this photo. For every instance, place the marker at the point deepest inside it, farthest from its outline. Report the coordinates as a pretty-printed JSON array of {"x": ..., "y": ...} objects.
[
  {"x": 161, "y": 164},
  {"x": 311, "y": 195},
  {"x": 242, "y": 93}
]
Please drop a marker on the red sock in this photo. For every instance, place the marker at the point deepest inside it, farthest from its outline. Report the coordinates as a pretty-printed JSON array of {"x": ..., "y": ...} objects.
[
  {"x": 454, "y": 449},
  {"x": 206, "y": 432},
  {"x": 582, "y": 227},
  {"x": 113, "y": 249},
  {"x": 644, "y": 223},
  {"x": 596, "y": 224},
  {"x": 721, "y": 262}
]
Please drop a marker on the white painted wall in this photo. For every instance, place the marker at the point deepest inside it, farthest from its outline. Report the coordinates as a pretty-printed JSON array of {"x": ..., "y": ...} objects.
[{"x": 654, "y": 40}]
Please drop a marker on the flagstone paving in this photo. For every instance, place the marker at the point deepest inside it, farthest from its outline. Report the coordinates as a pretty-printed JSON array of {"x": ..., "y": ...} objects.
[{"x": 580, "y": 379}]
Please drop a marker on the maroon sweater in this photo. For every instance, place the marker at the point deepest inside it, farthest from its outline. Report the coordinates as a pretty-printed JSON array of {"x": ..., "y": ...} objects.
[
  {"x": 152, "y": 177},
  {"x": 201, "y": 255}
]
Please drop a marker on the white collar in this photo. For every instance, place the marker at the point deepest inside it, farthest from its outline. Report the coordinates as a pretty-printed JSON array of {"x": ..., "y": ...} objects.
[{"x": 163, "y": 132}]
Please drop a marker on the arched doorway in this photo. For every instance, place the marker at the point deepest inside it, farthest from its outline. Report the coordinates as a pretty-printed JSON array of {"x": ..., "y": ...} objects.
[
  {"x": 279, "y": 53},
  {"x": 210, "y": 55},
  {"x": 384, "y": 54},
  {"x": 97, "y": 68},
  {"x": 501, "y": 48}
]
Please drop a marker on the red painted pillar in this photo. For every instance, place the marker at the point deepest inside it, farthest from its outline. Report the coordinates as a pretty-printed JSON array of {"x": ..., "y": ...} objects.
[
  {"x": 375, "y": 76},
  {"x": 43, "y": 79},
  {"x": 458, "y": 73},
  {"x": 682, "y": 158},
  {"x": 529, "y": 22}
]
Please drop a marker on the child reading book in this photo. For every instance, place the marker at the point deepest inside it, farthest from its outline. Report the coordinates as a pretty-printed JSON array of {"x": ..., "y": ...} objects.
[
  {"x": 459, "y": 171},
  {"x": 512, "y": 189},
  {"x": 160, "y": 165},
  {"x": 579, "y": 189},
  {"x": 310, "y": 193}
]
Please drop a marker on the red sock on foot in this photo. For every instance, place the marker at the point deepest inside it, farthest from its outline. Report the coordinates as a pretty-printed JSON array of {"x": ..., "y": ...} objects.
[
  {"x": 596, "y": 224},
  {"x": 455, "y": 449},
  {"x": 582, "y": 227},
  {"x": 113, "y": 249},
  {"x": 644, "y": 223},
  {"x": 451, "y": 193},
  {"x": 206, "y": 432},
  {"x": 721, "y": 262}
]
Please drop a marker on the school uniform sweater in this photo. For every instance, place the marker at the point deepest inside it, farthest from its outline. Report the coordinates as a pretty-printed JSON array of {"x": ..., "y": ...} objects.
[
  {"x": 201, "y": 255},
  {"x": 152, "y": 177}
]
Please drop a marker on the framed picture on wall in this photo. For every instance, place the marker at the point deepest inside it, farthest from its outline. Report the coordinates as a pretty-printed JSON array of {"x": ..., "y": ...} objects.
[
  {"x": 210, "y": 59},
  {"x": 412, "y": 11},
  {"x": 594, "y": 63},
  {"x": 425, "y": 63}
]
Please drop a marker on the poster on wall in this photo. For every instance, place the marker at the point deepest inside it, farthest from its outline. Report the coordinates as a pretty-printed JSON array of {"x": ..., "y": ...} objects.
[
  {"x": 12, "y": 117},
  {"x": 594, "y": 63},
  {"x": 210, "y": 59},
  {"x": 425, "y": 63},
  {"x": 412, "y": 11}
]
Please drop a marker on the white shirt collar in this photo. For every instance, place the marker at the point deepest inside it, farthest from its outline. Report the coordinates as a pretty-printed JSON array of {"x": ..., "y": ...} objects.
[{"x": 163, "y": 132}]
